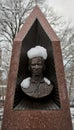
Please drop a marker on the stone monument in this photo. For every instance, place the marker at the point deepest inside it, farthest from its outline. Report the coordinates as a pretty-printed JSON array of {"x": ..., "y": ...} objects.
[{"x": 36, "y": 96}]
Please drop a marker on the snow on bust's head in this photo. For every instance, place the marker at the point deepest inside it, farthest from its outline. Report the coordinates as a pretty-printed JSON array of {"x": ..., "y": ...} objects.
[{"x": 37, "y": 51}]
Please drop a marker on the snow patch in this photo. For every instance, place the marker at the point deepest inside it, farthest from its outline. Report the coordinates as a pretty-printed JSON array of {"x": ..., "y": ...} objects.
[
  {"x": 47, "y": 80},
  {"x": 37, "y": 51},
  {"x": 25, "y": 83}
]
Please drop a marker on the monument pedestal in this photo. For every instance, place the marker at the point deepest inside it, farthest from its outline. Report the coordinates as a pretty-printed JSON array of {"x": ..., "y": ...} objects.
[{"x": 22, "y": 112}]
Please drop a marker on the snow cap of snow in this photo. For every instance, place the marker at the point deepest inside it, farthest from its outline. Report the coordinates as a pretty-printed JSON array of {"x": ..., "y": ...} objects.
[
  {"x": 25, "y": 83},
  {"x": 47, "y": 81},
  {"x": 37, "y": 51}
]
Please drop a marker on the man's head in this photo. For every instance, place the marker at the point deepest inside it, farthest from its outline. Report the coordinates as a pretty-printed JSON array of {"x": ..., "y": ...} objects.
[{"x": 37, "y": 56}]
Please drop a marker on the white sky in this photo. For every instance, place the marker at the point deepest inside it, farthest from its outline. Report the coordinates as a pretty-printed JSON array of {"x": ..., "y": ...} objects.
[{"x": 64, "y": 8}]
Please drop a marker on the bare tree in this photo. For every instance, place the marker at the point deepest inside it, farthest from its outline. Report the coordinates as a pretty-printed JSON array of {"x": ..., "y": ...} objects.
[
  {"x": 65, "y": 32},
  {"x": 13, "y": 14},
  {"x": 67, "y": 43}
]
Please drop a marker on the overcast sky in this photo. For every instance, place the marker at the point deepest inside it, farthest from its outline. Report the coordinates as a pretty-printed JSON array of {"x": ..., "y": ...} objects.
[{"x": 64, "y": 8}]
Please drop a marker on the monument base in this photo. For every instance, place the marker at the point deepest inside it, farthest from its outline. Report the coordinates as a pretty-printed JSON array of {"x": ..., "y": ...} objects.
[{"x": 37, "y": 120}]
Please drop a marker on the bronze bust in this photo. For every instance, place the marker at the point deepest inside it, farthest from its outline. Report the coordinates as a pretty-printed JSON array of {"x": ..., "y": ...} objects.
[{"x": 37, "y": 86}]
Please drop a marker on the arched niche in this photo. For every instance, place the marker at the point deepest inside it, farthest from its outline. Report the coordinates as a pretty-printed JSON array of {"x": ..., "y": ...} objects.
[{"x": 36, "y": 36}]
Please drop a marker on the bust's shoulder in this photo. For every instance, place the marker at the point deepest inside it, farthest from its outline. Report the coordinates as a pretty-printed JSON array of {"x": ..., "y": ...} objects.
[
  {"x": 47, "y": 81},
  {"x": 26, "y": 82}
]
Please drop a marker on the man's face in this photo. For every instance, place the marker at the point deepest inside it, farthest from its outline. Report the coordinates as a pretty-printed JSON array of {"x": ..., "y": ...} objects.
[{"x": 36, "y": 65}]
